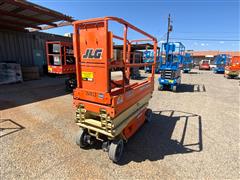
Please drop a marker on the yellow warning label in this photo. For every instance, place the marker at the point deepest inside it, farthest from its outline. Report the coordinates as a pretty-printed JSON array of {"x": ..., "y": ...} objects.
[{"x": 87, "y": 76}]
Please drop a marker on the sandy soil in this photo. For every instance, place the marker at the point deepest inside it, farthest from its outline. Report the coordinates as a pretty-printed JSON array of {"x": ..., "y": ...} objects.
[{"x": 194, "y": 134}]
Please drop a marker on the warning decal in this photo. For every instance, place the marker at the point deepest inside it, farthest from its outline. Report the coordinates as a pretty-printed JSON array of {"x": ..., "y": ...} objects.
[
  {"x": 49, "y": 69},
  {"x": 87, "y": 76}
]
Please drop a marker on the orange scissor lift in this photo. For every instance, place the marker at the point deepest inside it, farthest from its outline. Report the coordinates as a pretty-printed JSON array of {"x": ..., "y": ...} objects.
[
  {"x": 109, "y": 110},
  {"x": 232, "y": 70},
  {"x": 60, "y": 60}
]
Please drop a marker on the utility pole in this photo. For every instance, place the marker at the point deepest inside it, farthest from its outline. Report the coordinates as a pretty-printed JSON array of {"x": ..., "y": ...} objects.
[{"x": 169, "y": 27}]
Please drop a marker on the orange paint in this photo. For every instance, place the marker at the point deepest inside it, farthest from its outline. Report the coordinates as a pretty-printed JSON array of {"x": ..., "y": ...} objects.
[
  {"x": 233, "y": 68},
  {"x": 93, "y": 51},
  {"x": 135, "y": 124},
  {"x": 63, "y": 67},
  {"x": 234, "y": 64}
]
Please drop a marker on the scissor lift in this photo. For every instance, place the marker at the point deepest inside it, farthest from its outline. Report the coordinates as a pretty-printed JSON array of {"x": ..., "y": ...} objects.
[
  {"x": 221, "y": 61},
  {"x": 148, "y": 57},
  {"x": 109, "y": 110},
  {"x": 60, "y": 60},
  {"x": 172, "y": 54},
  {"x": 187, "y": 63}
]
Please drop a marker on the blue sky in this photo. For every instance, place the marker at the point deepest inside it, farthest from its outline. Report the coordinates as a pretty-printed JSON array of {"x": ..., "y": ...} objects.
[{"x": 196, "y": 23}]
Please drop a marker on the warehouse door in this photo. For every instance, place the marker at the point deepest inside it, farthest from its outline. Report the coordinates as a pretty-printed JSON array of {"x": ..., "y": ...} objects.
[{"x": 38, "y": 59}]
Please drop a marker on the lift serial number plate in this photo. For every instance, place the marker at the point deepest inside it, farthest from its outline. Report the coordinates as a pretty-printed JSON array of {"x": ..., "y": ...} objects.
[{"x": 87, "y": 76}]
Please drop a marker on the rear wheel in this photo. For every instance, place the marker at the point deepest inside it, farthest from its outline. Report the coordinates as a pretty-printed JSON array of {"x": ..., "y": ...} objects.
[
  {"x": 148, "y": 115},
  {"x": 116, "y": 150}
]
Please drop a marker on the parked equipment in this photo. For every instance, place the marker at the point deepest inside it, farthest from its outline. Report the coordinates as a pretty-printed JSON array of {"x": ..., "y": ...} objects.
[
  {"x": 171, "y": 58},
  {"x": 221, "y": 61},
  {"x": 137, "y": 55},
  {"x": 187, "y": 63},
  {"x": 204, "y": 65},
  {"x": 61, "y": 60},
  {"x": 232, "y": 70},
  {"x": 148, "y": 57},
  {"x": 109, "y": 110},
  {"x": 170, "y": 73}
]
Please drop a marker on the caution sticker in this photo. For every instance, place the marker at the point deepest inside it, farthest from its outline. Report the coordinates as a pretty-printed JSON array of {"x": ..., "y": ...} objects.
[
  {"x": 49, "y": 69},
  {"x": 87, "y": 76}
]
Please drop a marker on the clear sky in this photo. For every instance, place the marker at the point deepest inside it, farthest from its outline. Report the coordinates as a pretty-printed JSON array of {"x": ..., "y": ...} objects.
[{"x": 199, "y": 24}]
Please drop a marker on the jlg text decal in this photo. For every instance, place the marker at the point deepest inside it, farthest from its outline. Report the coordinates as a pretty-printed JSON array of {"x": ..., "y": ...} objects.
[{"x": 93, "y": 54}]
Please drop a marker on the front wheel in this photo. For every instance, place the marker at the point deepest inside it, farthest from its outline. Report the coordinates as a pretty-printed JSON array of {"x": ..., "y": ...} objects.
[
  {"x": 70, "y": 84},
  {"x": 81, "y": 138},
  {"x": 116, "y": 150},
  {"x": 160, "y": 87},
  {"x": 174, "y": 88}
]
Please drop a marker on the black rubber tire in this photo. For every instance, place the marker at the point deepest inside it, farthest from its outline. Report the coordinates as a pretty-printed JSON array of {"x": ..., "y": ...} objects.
[
  {"x": 174, "y": 89},
  {"x": 160, "y": 87},
  {"x": 70, "y": 84},
  {"x": 81, "y": 138},
  {"x": 116, "y": 150},
  {"x": 148, "y": 115}
]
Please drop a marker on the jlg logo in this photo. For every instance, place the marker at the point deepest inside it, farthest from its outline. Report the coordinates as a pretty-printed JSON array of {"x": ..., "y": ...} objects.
[{"x": 91, "y": 54}]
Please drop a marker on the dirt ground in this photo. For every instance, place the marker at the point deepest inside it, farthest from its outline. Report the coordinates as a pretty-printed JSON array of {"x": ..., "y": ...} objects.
[{"x": 194, "y": 134}]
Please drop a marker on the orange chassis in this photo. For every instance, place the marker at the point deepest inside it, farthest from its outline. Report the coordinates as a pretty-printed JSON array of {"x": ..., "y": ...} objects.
[
  {"x": 65, "y": 61},
  {"x": 109, "y": 110},
  {"x": 63, "y": 68},
  {"x": 233, "y": 69}
]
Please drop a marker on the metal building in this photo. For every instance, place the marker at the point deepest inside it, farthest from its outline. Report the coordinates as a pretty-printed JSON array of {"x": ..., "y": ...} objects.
[
  {"x": 27, "y": 49},
  {"x": 19, "y": 40}
]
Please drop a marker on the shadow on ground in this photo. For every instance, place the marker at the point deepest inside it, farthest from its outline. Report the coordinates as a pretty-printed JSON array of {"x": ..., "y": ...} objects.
[
  {"x": 8, "y": 126},
  {"x": 191, "y": 72},
  {"x": 14, "y": 95},
  {"x": 184, "y": 88},
  {"x": 191, "y": 88},
  {"x": 153, "y": 141}
]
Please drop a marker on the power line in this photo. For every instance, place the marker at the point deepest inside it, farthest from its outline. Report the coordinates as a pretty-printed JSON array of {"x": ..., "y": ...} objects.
[
  {"x": 206, "y": 32},
  {"x": 196, "y": 39}
]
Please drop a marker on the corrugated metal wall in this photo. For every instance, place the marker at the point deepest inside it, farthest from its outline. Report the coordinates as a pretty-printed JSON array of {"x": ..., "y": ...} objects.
[{"x": 19, "y": 46}]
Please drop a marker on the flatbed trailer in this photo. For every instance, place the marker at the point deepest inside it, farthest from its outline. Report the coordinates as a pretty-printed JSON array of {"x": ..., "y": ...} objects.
[{"x": 109, "y": 110}]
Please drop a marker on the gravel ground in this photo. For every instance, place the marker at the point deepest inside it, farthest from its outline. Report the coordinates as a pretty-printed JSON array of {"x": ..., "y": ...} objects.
[{"x": 194, "y": 134}]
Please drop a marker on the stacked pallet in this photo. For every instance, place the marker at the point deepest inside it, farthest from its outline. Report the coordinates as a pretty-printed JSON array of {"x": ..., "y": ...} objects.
[
  {"x": 10, "y": 73},
  {"x": 30, "y": 73}
]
